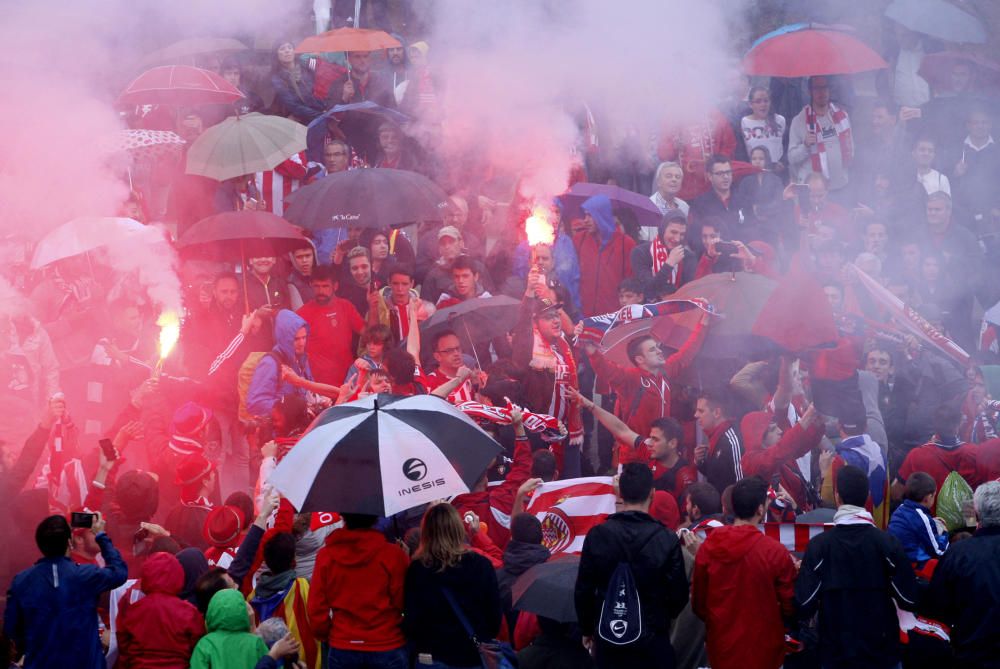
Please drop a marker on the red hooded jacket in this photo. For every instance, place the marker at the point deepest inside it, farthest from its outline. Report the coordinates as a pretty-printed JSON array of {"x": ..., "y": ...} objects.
[
  {"x": 778, "y": 459},
  {"x": 359, "y": 577},
  {"x": 160, "y": 630},
  {"x": 742, "y": 587}
]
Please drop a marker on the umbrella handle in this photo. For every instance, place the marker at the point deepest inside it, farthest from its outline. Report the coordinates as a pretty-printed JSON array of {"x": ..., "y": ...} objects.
[
  {"x": 475, "y": 353},
  {"x": 243, "y": 273}
]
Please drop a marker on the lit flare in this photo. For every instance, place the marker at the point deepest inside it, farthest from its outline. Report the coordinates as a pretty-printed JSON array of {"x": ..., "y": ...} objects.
[
  {"x": 538, "y": 229},
  {"x": 170, "y": 332}
]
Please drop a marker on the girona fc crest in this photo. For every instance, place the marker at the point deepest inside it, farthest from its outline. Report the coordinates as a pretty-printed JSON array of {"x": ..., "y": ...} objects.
[{"x": 557, "y": 533}]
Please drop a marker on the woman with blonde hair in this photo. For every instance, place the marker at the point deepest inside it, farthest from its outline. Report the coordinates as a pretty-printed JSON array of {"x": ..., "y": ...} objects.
[{"x": 446, "y": 575}]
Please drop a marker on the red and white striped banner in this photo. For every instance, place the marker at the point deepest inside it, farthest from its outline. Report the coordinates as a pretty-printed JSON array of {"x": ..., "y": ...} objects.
[
  {"x": 794, "y": 536},
  {"x": 568, "y": 509}
]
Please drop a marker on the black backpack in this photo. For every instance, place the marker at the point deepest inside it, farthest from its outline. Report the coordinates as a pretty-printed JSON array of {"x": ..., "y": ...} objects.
[{"x": 620, "y": 623}]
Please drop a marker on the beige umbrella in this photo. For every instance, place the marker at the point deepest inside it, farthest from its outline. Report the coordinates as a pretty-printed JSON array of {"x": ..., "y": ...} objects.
[
  {"x": 244, "y": 145},
  {"x": 185, "y": 51}
]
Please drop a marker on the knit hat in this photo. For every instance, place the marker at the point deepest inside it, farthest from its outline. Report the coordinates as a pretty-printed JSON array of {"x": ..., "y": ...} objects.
[
  {"x": 222, "y": 526},
  {"x": 753, "y": 427},
  {"x": 449, "y": 231},
  {"x": 137, "y": 495},
  {"x": 189, "y": 420}
]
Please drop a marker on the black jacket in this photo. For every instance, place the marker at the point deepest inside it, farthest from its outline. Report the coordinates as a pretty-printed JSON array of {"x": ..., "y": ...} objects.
[
  {"x": 657, "y": 565},
  {"x": 518, "y": 558},
  {"x": 642, "y": 267},
  {"x": 965, "y": 593},
  {"x": 428, "y": 620},
  {"x": 851, "y": 575}
]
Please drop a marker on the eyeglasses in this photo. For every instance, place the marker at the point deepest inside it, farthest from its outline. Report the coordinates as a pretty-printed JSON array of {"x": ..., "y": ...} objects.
[{"x": 449, "y": 351}]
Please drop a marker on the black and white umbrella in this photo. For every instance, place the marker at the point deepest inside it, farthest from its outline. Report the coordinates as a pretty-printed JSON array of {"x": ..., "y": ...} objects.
[{"x": 383, "y": 454}]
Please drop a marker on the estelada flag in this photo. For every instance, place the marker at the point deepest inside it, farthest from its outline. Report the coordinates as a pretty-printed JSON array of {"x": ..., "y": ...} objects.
[{"x": 568, "y": 509}]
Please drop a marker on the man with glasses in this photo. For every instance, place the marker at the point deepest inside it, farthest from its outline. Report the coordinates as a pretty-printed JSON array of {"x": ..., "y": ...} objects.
[
  {"x": 447, "y": 350},
  {"x": 717, "y": 204}
]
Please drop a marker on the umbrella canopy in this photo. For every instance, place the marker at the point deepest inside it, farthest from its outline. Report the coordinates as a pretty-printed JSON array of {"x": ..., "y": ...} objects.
[
  {"x": 811, "y": 51},
  {"x": 757, "y": 313},
  {"x": 647, "y": 213},
  {"x": 143, "y": 144},
  {"x": 383, "y": 454},
  {"x": 241, "y": 234},
  {"x": 368, "y": 198},
  {"x": 180, "y": 85},
  {"x": 936, "y": 69},
  {"x": 188, "y": 49},
  {"x": 547, "y": 589},
  {"x": 318, "y": 127},
  {"x": 82, "y": 235},
  {"x": 244, "y": 145},
  {"x": 939, "y": 19},
  {"x": 347, "y": 39},
  {"x": 476, "y": 320}
]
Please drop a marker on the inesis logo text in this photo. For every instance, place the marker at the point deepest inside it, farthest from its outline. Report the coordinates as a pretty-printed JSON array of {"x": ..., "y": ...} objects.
[{"x": 416, "y": 470}]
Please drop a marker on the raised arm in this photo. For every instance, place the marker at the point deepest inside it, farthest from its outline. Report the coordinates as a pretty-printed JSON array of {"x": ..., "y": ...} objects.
[{"x": 619, "y": 430}]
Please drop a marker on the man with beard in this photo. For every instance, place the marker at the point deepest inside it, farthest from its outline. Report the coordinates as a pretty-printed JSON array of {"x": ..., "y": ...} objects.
[
  {"x": 333, "y": 324},
  {"x": 357, "y": 284}
]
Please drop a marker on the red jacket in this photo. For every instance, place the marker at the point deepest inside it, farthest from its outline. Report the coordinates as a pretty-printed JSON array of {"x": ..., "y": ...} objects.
[
  {"x": 644, "y": 397},
  {"x": 160, "y": 630},
  {"x": 778, "y": 460},
  {"x": 742, "y": 587},
  {"x": 493, "y": 505},
  {"x": 358, "y": 577},
  {"x": 987, "y": 461},
  {"x": 603, "y": 270},
  {"x": 331, "y": 328}
]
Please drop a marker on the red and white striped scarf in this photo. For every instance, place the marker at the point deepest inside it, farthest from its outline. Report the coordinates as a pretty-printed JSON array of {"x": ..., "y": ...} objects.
[
  {"x": 549, "y": 428},
  {"x": 659, "y": 251},
  {"x": 564, "y": 370},
  {"x": 277, "y": 184},
  {"x": 842, "y": 124}
]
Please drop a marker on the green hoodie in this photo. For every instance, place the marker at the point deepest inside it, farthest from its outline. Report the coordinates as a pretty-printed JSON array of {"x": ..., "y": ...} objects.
[{"x": 229, "y": 643}]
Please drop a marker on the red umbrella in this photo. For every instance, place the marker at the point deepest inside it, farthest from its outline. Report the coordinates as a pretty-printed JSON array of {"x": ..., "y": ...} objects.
[
  {"x": 936, "y": 69},
  {"x": 180, "y": 85},
  {"x": 812, "y": 51}
]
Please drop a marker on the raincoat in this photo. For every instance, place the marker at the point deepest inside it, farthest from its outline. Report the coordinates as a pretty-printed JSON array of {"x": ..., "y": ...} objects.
[
  {"x": 160, "y": 630},
  {"x": 743, "y": 587},
  {"x": 266, "y": 386},
  {"x": 229, "y": 643}
]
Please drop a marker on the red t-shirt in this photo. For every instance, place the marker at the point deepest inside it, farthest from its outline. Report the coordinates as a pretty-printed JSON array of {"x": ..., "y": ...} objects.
[
  {"x": 461, "y": 394},
  {"x": 331, "y": 327}
]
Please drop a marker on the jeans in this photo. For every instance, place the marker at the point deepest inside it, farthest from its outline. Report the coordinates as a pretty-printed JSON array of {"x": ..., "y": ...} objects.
[{"x": 369, "y": 659}]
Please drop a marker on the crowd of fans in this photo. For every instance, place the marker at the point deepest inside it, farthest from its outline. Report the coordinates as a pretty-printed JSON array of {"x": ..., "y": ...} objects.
[{"x": 167, "y": 547}]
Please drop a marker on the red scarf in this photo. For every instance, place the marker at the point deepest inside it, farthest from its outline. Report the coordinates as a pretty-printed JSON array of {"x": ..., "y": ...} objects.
[
  {"x": 842, "y": 124},
  {"x": 660, "y": 253}
]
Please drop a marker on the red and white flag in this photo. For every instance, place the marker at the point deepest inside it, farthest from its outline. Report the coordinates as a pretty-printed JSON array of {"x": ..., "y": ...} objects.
[
  {"x": 568, "y": 509},
  {"x": 794, "y": 536},
  {"x": 907, "y": 318}
]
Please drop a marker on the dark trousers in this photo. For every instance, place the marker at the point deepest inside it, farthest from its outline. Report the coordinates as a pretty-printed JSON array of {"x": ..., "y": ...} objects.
[{"x": 656, "y": 653}]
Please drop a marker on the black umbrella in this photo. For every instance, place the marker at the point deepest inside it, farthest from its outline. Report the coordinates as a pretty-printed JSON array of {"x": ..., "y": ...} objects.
[
  {"x": 475, "y": 320},
  {"x": 384, "y": 454},
  {"x": 238, "y": 235},
  {"x": 547, "y": 589},
  {"x": 367, "y": 198}
]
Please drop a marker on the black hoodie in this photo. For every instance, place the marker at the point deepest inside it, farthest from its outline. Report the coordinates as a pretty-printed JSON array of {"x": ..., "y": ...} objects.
[{"x": 518, "y": 558}]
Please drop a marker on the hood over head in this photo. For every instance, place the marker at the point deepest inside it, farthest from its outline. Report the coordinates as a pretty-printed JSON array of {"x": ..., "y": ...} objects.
[
  {"x": 732, "y": 542},
  {"x": 520, "y": 556},
  {"x": 752, "y": 427},
  {"x": 286, "y": 324},
  {"x": 353, "y": 548},
  {"x": 599, "y": 207},
  {"x": 227, "y": 612},
  {"x": 162, "y": 572}
]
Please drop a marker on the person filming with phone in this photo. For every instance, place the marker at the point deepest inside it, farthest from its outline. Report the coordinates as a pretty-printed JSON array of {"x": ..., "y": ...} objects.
[{"x": 51, "y": 613}]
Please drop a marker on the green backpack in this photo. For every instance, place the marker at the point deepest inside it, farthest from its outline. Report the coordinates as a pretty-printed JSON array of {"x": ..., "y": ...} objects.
[{"x": 954, "y": 493}]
